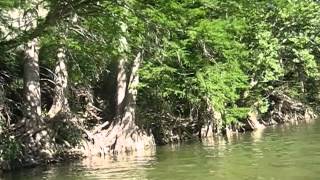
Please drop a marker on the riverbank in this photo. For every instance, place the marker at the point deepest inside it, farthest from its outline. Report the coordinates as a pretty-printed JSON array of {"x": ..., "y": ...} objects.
[
  {"x": 103, "y": 78},
  {"x": 284, "y": 111},
  {"x": 290, "y": 149}
]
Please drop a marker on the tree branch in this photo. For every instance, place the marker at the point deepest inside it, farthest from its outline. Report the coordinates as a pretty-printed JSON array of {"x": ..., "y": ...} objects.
[{"x": 59, "y": 11}]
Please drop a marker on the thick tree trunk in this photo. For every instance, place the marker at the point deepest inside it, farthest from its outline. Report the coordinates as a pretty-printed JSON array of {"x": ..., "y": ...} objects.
[
  {"x": 37, "y": 140},
  {"x": 131, "y": 137},
  {"x": 60, "y": 101},
  {"x": 122, "y": 79},
  {"x": 1, "y": 97},
  {"x": 132, "y": 89},
  {"x": 121, "y": 88},
  {"x": 123, "y": 135},
  {"x": 32, "y": 85},
  {"x": 2, "y": 117}
]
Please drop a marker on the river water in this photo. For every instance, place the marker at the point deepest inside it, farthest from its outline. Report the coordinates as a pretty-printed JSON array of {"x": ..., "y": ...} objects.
[{"x": 276, "y": 153}]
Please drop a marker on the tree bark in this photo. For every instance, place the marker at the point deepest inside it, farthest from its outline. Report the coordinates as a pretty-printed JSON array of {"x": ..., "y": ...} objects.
[
  {"x": 121, "y": 88},
  {"x": 122, "y": 79},
  {"x": 122, "y": 135},
  {"x": 32, "y": 85},
  {"x": 2, "y": 117},
  {"x": 60, "y": 101},
  {"x": 132, "y": 88},
  {"x": 128, "y": 126},
  {"x": 1, "y": 97}
]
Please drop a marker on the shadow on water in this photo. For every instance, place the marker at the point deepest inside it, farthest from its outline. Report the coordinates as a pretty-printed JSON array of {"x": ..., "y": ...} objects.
[{"x": 288, "y": 152}]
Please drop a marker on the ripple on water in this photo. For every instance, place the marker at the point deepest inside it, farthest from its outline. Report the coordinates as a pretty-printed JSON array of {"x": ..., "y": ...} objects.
[{"x": 287, "y": 153}]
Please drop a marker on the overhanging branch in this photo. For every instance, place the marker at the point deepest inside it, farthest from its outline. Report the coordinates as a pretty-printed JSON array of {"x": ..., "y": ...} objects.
[{"x": 59, "y": 11}]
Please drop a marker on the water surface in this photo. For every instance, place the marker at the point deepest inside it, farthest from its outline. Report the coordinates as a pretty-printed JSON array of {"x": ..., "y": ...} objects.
[{"x": 279, "y": 153}]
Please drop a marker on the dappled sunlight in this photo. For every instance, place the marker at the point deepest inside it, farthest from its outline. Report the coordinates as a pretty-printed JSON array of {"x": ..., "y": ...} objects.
[
  {"x": 32, "y": 82},
  {"x": 229, "y": 88},
  {"x": 129, "y": 160}
]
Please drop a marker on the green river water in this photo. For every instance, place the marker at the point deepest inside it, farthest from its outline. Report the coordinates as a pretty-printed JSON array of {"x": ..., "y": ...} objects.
[{"x": 287, "y": 152}]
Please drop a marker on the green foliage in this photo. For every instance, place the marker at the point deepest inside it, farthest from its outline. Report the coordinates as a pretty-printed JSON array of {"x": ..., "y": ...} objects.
[
  {"x": 4, "y": 4},
  {"x": 263, "y": 105},
  {"x": 199, "y": 56},
  {"x": 67, "y": 132},
  {"x": 10, "y": 147},
  {"x": 230, "y": 53},
  {"x": 235, "y": 114},
  {"x": 267, "y": 59},
  {"x": 222, "y": 84}
]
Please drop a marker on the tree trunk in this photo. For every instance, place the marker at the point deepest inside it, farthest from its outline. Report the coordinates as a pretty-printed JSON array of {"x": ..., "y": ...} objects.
[
  {"x": 122, "y": 79},
  {"x": 132, "y": 88},
  {"x": 131, "y": 137},
  {"x": 121, "y": 88},
  {"x": 2, "y": 117},
  {"x": 32, "y": 85},
  {"x": 60, "y": 101},
  {"x": 1, "y": 97},
  {"x": 123, "y": 135},
  {"x": 302, "y": 79},
  {"x": 37, "y": 140}
]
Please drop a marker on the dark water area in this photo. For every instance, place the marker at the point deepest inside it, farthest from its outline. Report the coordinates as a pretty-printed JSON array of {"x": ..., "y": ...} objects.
[{"x": 289, "y": 152}]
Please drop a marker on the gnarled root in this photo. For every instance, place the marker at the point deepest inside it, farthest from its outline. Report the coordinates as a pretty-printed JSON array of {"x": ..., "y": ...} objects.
[
  {"x": 118, "y": 138},
  {"x": 285, "y": 109}
]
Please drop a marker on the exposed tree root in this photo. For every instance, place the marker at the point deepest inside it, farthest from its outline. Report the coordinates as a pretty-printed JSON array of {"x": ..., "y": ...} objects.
[
  {"x": 283, "y": 109},
  {"x": 121, "y": 137}
]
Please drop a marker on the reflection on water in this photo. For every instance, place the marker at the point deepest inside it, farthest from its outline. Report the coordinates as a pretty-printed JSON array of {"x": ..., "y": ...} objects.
[
  {"x": 289, "y": 152},
  {"x": 131, "y": 166}
]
